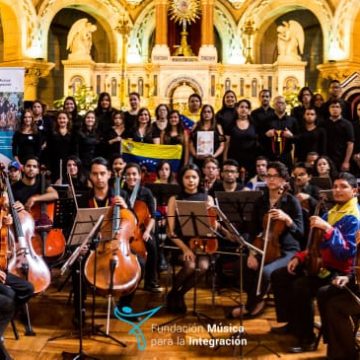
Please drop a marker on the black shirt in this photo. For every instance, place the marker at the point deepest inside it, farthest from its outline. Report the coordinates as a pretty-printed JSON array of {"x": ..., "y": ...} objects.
[
  {"x": 339, "y": 133},
  {"x": 291, "y": 237},
  {"x": 24, "y": 145},
  {"x": 307, "y": 141},
  {"x": 23, "y": 192},
  {"x": 260, "y": 118},
  {"x": 226, "y": 117},
  {"x": 129, "y": 120}
]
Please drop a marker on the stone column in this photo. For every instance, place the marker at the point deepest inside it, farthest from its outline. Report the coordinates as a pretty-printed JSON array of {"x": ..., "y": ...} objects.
[
  {"x": 161, "y": 50},
  {"x": 207, "y": 50}
]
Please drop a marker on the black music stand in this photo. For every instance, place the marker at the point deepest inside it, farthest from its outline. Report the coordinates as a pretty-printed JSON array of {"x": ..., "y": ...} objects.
[
  {"x": 321, "y": 183},
  {"x": 163, "y": 192},
  {"x": 194, "y": 222},
  {"x": 80, "y": 237}
]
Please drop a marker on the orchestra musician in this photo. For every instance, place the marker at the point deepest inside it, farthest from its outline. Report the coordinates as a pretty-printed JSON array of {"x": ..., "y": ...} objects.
[
  {"x": 294, "y": 286},
  {"x": 289, "y": 212},
  {"x": 27, "y": 191},
  {"x": 338, "y": 313},
  {"x": 14, "y": 292},
  {"x": 100, "y": 195},
  {"x": 140, "y": 193},
  {"x": 189, "y": 181}
]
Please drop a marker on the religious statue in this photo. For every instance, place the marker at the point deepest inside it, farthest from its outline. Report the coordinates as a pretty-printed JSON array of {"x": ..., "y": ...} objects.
[
  {"x": 290, "y": 41},
  {"x": 79, "y": 40}
]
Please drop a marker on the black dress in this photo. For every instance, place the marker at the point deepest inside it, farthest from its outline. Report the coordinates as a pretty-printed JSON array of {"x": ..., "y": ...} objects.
[
  {"x": 86, "y": 147},
  {"x": 24, "y": 145}
]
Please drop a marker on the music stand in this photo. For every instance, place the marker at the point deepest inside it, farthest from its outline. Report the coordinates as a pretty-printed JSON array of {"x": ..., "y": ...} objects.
[
  {"x": 163, "y": 192},
  {"x": 321, "y": 183},
  {"x": 79, "y": 238},
  {"x": 194, "y": 223}
]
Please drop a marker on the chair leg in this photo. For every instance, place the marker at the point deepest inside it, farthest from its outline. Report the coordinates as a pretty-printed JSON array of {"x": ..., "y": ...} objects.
[{"x": 15, "y": 331}]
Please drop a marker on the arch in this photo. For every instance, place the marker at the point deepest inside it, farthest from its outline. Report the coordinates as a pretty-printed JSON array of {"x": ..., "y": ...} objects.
[
  {"x": 265, "y": 12},
  {"x": 170, "y": 88},
  {"x": 14, "y": 25},
  {"x": 103, "y": 11},
  {"x": 348, "y": 30},
  {"x": 232, "y": 51},
  {"x": 144, "y": 26}
]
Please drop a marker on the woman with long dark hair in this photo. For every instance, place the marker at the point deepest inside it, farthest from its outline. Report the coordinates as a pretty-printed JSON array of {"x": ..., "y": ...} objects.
[
  {"x": 59, "y": 144},
  {"x": 189, "y": 180},
  {"x": 142, "y": 130},
  {"x": 227, "y": 115},
  {"x": 115, "y": 134},
  {"x": 161, "y": 122},
  {"x": 175, "y": 135},
  {"x": 242, "y": 138},
  {"x": 87, "y": 140},
  {"x": 207, "y": 123},
  {"x": 26, "y": 141},
  {"x": 70, "y": 107},
  {"x": 103, "y": 113},
  {"x": 131, "y": 115}
]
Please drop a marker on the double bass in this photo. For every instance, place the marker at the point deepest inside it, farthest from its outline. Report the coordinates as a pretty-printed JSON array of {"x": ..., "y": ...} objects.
[
  {"x": 28, "y": 265},
  {"x": 117, "y": 268}
]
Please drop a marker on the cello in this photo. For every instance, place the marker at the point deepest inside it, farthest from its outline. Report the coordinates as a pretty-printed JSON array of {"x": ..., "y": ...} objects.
[
  {"x": 117, "y": 268},
  {"x": 47, "y": 241},
  {"x": 28, "y": 265}
]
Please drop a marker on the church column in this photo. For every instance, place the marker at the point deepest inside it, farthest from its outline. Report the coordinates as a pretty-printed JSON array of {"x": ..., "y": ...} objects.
[
  {"x": 161, "y": 50},
  {"x": 207, "y": 50}
]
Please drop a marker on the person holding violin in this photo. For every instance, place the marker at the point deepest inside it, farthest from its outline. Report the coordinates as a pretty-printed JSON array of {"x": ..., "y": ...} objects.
[
  {"x": 142, "y": 195},
  {"x": 332, "y": 249},
  {"x": 14, "y": 292},
  {"x": 285, "y": 231},
  {"x": 189, "y": 181},
  {"x": 27, "y": 191}
]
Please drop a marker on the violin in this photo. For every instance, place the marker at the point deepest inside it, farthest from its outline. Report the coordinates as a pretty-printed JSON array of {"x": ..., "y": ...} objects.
[
  {"x": 206, "y": 245},
  {"x": 143, "y": 216},
  {"x": 117, "y": 268},
  {"x": 28, "y": 264},
  {"x": 47, "y": 241},
  {"x": 313, "y": 260},
  {"x": 270, "y": 240}
]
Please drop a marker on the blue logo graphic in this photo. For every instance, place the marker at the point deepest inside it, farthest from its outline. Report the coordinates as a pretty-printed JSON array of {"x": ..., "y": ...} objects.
[{"x": 126, "y": 314}]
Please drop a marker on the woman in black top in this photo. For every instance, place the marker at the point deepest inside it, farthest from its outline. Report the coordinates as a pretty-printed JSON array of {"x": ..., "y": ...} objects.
[
  {"x": 73, "y": 167},
  {"x": 26, "y": 141},
  {"x": 59, "y": 144},
  {"x": 131, "y": 115},
  {"x": 115, "y": 134},
  {"x": 288, "y": 211},
  {"x": 242, "y": 139},
  {"x": 175, "y": 135},
  {"x": 227, "y": 115},
  {"x": 86, "y": 141},
  {"x": 103, "y": 114},
  {"x": 207, "y": 122},
  {"x": 161, "y": 122},
  {"x": 70, "y": 107},
  {"x": 189, "y": 181},
  {"x": 304, "y": 97},
  {"x": 142, "y": 131}
]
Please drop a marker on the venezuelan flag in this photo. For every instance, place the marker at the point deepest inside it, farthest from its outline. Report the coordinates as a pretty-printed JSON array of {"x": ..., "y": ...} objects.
[
  {"x": 189, "y": 120},
  {"x": 151, "y": 154}
]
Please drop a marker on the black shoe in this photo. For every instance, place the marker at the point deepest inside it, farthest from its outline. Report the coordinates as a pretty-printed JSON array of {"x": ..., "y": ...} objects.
[
  {"x": 281, "y": 330},
  {"x": 303, "y": 347},
  {"x": 154, "y": 288},
  {"x": 175, "y": 303}
]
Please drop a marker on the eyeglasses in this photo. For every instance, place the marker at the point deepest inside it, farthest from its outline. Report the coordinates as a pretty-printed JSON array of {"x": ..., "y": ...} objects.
[{"x": 274, "y": 176}]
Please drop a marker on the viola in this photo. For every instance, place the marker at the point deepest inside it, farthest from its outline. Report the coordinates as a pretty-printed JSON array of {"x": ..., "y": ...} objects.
[
  {"x": 117, "y": 268},
  {"x": 28, "y": 264},
  {"x": 206, "y": 245},
  {"x": 313, "y": 260},
  {"x": 47, "y": 241},
  {"x": 143, "y": 216}
]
